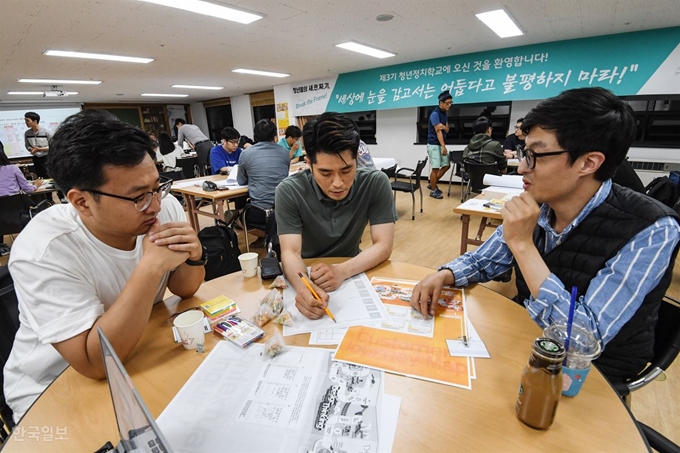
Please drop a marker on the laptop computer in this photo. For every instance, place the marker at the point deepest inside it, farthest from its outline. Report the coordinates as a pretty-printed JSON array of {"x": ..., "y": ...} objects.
[{"x": 138, "y": 429}]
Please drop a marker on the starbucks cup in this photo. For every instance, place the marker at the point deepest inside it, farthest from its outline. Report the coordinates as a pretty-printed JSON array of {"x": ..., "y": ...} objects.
[{"x": 583, "y": 349}]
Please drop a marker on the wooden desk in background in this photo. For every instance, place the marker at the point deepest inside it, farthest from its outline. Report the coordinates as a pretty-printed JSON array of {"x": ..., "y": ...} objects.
[
  {"x": 433, "y": 417},
  {"x": 485, "y": 213},
  {"x": 217, "y": 198}
]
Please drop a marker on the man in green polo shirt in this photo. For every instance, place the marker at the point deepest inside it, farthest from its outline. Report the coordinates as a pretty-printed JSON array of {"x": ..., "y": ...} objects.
[{"x": 323, "y": 211}]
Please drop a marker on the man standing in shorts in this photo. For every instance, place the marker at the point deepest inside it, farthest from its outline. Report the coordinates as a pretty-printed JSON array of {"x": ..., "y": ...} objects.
[{"x": 437, "y": 127}]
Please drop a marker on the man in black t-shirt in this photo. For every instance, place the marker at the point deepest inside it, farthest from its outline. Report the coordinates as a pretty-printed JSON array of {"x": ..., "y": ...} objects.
[{"x": 513, "y": 147}]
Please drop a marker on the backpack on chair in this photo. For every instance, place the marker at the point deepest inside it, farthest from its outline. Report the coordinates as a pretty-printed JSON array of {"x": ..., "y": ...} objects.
[
  {"x": 663, "y": 190},
  {"x": 221, "y": 244}
]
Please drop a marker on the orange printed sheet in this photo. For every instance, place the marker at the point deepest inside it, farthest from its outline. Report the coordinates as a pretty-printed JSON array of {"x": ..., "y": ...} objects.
[{"x": 415, "y": 356}]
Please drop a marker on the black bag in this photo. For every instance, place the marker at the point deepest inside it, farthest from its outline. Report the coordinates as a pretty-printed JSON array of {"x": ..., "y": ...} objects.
[
  {"x": 221, "y": 244},
  {"x": 663, "y": 190}
]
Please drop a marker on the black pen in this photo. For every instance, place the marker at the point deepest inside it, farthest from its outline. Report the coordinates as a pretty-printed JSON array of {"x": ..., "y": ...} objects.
[{"x": 463, "y": 331}]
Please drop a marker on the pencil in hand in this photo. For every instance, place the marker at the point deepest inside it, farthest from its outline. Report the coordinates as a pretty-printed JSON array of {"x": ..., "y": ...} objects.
[{"x": 316, "y": 296}]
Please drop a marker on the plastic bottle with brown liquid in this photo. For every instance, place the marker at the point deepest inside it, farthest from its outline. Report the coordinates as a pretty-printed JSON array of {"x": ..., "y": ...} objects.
[{"x": 541, "y": 385}]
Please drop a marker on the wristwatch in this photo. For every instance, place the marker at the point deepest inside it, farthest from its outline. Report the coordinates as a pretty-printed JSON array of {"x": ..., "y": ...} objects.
[{"x": 202, "y": 261}]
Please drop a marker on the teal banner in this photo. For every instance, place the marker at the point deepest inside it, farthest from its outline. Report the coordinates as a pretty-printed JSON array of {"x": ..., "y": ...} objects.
[{"x": 627, "y": 64}]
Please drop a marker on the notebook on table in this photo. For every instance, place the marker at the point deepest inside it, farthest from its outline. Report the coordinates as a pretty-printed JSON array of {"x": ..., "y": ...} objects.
[{"x": 138, "y": 429}]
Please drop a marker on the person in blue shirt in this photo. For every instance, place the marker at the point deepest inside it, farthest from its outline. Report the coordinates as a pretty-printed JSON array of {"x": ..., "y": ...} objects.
[
  {"x": 573, "y": 227},
  {"x": 291, "y": 142},
  {"x": 226, "y": 154},
  {"x": 437, "y": 127}
]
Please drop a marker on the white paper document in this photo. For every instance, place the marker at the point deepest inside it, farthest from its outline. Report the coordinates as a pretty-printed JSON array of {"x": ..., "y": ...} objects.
[
  {"x": 300, "y": 401},
  {"x": 181, "y": 184},
  {"x": 474, "y": 348},
  {"x": 232, "y": 178},
  {"x": 473, "y": 203},
  {"x": 352, "y": 304},
  {"x": 514, "y": 181},
  {"x": 327, "y": 336}
]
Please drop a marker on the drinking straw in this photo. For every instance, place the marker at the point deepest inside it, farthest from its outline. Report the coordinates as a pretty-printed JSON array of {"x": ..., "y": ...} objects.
[{"x": 570, "y": 320}]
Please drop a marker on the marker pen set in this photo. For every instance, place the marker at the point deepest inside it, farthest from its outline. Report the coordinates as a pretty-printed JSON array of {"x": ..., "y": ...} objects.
[{"x": 238, "y": 330}]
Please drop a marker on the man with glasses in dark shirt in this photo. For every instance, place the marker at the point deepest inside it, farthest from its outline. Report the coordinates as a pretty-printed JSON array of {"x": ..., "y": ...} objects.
[
  {"x": 102, "y": 260},
  {"x": 573, "y": 228},
  {"x": 514, "y": 143}
]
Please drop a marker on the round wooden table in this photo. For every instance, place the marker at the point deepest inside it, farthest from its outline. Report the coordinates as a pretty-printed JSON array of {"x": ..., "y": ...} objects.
[{"x": 433, "y": 417}]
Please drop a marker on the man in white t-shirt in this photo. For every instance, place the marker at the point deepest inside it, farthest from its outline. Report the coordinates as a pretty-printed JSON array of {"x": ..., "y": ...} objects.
[{"x": 102, "y": 260}]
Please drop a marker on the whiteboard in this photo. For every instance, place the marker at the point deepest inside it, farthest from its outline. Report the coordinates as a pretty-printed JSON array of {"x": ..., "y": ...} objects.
[{"x": 12, "y": 126}]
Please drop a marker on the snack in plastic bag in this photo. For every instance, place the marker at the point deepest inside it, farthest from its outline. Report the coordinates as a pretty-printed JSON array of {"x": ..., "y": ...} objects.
[
  {"x": 274, "y": 346},
  {"x": 264, "y": 315},
  {"x": 279, "y": 282},
  {"x": 284, "y": 318},
  {"x": 275, "y": 300}
]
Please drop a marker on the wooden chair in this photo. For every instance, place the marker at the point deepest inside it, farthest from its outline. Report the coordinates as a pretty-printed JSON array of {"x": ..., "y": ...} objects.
[{"x": 411, "y": 186}]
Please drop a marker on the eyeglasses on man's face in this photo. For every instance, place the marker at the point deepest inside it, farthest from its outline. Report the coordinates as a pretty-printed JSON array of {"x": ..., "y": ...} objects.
[
  {"x": 530, "y": 155},
  {"x": 144, "y": 200}
]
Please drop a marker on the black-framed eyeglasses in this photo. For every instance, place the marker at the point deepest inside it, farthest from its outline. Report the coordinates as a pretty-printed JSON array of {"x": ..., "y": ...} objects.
[
  {"x": 530, "y": 155},
  {"x": 144, "y": 200}
]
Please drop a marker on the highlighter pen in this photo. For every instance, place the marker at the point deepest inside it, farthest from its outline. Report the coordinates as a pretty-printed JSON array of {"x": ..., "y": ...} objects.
[{"x": 316, "y": 296}]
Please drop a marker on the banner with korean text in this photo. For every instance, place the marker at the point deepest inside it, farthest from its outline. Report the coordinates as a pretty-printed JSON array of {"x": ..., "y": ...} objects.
[
  {"x": 311, "y": 97},
  {"x": 646, "y": 62}
]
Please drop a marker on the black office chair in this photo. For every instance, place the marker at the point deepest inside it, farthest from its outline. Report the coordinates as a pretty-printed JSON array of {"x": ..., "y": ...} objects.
[
  {"x": 17, "y": 210},
  {"x": 476, "y": 172},
  {"x": 658, "y": 441},
  {"x": 203, "y": 160},
  {"x": 176, "y": 175},
  {"x": 411, "y": 186},
  {"x": 189, "y": 166},
  {"x": 666, "y": 347},
  {"x": 9, "y": 324},
  {"x": 257, "y": 226},
  {"x": 456, "y": 161},
  {"x": 390, "y": 171}
]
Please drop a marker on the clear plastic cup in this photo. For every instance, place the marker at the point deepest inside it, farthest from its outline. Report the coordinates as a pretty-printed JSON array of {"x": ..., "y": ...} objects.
[{"x": 583, "y": 349}]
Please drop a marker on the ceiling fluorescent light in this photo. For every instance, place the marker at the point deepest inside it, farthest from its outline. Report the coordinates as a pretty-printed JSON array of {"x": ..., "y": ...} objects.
[
  {"x": 96, "y": 56},
  {"x": 27, "y": 93},
  {"x": 197, "y": 87},
  {"x": 61, "y": 82},
  {"x": 500, "y": 23},
  {"x": 262, "y": 73},
  {"x": 356, "y": 47},
  {"x": 210, "y": 9},
  {"x": 165, "y": 95}
]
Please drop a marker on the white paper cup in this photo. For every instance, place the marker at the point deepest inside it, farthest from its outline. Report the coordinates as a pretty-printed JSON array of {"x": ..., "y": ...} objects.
[
  {"x": 190, "y": 328},
  {"x": 248, "y": 263}
]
